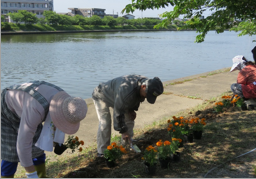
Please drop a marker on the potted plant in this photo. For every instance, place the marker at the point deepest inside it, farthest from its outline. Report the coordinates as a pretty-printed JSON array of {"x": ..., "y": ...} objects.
[
  {"x": 112, "y": 153},
  {"x": 197, "y": 127},
  {"x": 149, "y": 156},
  {"x": 164, "y": 153},
  {"x": 175, "y": 129},
  {"x": 174, "y": 147},
  {"x": 72, "y": 143},
  {"x": 187, "y": 131}
]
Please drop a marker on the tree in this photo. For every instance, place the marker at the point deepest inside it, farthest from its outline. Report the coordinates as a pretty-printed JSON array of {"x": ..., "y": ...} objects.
[
  {"x": 109, "y": 20},
  {"x": 16, "y": 17},
  {"x": 225, "y": 14},
  {"x": 95, "y": 20},
  {"x": 2, "y": 18},
  {"x": 66, "y": 20},
  {"x": 80, "y": 20},
  {"x": 121, "y": 20},
  {"x": 51, "y": 17},
  {"x": 28, "y": 17}
]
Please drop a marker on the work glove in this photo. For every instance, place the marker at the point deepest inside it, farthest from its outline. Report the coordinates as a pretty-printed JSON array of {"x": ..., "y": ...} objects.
[
  {"x": 122, "y": 128},
  {"x": 32, "y": 175},
  {"x": 59, "y": 149}
]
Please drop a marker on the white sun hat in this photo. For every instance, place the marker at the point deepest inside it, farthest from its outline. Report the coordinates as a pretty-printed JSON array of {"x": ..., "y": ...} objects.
[
  {"x": 66, "y": 112},
  {"x": 236, "y": 61}
]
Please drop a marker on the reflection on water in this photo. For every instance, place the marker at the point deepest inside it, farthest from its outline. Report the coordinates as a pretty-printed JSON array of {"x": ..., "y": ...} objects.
[{"x": 78, "y": 62}]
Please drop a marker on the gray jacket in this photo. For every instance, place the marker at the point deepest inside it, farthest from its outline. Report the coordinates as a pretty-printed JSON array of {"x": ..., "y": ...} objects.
[{"x": 121, "y": 93}]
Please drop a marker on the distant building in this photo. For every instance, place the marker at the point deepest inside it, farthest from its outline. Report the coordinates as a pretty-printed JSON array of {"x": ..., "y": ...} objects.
[
  {"x": 34, "y": 6},
  {"x": 152, "y": 18},
  {"x": 129, "y": 16},
  {"x": 113, "y": 15},
  {"x": 87, "y": 12}
]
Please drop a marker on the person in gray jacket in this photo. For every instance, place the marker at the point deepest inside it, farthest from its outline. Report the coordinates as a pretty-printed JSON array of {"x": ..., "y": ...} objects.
[{"x": 124, "y": 94}]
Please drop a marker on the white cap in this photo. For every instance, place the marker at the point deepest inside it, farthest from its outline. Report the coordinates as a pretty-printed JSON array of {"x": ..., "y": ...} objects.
[{"x": 236, "y": 61}]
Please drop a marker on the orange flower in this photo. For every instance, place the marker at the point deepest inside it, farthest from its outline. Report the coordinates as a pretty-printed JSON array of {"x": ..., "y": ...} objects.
[
  {"x": 159, "y": 143},
  {"x": 203, "y": 119},
  {"x": 176, "y": 123},
  {"x": 109, "y": 147},
  {"x": 181, "y": 125},
  {"x": 168, "y": 129},
  {"x": 181, "y": 117},
  {"x": 186, "y": 121},
  {"x": 113, "y": 144},
  {"x": 173, "y": 130},
  {"x": 155, "y": 150},
  {"x": 82, "y": 142},
  {"x": 167, "y": 142},
  {"x": 80, "y": 149},
  {"x": 123, "y": 150},
  {"x": 76, "y": 138},
  {"x": 170, "y": 125},
  {"x": 203, "y": 123},
  {"x": 73, "y": 141},
  {"x": 142, "y": 158},
  {"x": 169, "y": 121},
  {"x": 175, "y": 118},
  {"x": 220, "y": 103}
]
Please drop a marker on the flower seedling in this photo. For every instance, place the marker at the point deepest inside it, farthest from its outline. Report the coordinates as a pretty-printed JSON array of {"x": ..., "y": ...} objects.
[{"x": 73, "y": 143}]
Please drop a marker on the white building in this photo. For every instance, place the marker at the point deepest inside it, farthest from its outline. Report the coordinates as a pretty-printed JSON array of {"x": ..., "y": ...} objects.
[
  {"x": 87, "y": 12},
  {"x": 34, "y": 6},
  {"x": 129, "y": 16}
]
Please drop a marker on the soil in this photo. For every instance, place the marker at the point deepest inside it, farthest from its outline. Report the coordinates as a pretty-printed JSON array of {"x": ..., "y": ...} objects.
[{"x": 226, "y": 136}]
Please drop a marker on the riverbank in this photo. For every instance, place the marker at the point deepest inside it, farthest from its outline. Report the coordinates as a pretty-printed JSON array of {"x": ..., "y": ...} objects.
[
  {"x": 181, "y": 97},
  {"x": 11, "y": 28},
  {"x": 78, "y": 31}
]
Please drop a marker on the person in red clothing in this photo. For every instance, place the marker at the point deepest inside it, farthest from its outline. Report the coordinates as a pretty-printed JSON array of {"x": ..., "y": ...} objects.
[{"x": 246, "y": 79}]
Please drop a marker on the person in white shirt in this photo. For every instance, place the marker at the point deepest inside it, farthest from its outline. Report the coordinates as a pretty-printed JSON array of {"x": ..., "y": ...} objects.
[{"x": 24, "y": 110}]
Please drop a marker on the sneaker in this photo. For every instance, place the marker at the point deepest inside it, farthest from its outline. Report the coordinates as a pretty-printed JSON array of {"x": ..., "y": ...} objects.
[{"x": 100, "y": 155}]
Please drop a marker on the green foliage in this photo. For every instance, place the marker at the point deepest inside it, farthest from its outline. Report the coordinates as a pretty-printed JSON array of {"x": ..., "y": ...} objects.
[
  {"x": 121, "y": 21},
  {"x": 150, "y": 155},
  {"x": 198, "y": 124},
  {"x": 80, "y": 20},
  {"x": 114, "y": 152},
  {"x": 41, "y": 21},
  {"x": 2, "y": 18},
  {"x": 73, "y": 142},
  {"x": 5, "y": 26},
  {"x": 166, "y": 148},
  {"x": 51, "y": 17},
  {"x": 224, "y": 14},
  {"x": 95, "y": 20},
  {"x": 16, "y": 17},
  {"x": 109, "y": 20},
  {"x": 66, "y": 20},
  {"x": 28, "y": 17}
]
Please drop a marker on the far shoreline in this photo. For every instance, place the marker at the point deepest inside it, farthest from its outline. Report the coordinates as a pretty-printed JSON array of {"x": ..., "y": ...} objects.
[{"x": 83, "y": 31}]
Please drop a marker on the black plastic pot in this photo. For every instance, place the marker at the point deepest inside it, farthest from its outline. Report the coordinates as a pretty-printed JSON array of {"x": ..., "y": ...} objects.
[
  {"x": 164, "y": 163},
  {"x": 150, "y": 169},
  {"x": 111, "y": 163},
  {"x": 176, "y": 157},
  {"x": 190, "y": 138},
  {"x": 59, "y": 149},
  {"x": 197, "y": 134}
]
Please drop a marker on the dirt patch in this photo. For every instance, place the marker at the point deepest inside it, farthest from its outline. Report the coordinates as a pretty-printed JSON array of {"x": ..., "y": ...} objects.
[{"x": 226, "y": 136}]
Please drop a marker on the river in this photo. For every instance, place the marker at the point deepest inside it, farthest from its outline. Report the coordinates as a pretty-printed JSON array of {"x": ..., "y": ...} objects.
[{"x": 78, "y": 62}]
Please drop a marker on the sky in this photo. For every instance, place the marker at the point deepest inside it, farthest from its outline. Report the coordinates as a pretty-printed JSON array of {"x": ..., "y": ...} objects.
[{"x": 116, "y": 6}]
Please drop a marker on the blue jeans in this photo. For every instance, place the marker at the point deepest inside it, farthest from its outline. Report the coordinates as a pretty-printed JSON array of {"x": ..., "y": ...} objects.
[{"x": 9, "y": 168}]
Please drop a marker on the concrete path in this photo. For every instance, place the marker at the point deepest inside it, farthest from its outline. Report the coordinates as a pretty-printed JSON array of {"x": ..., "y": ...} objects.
[{"x": 176, "y": 98}]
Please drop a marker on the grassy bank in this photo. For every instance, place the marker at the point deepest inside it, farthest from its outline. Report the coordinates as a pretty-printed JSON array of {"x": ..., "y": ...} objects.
[{"x": 39, "y": 27}]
